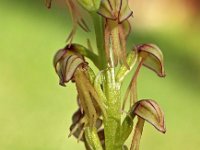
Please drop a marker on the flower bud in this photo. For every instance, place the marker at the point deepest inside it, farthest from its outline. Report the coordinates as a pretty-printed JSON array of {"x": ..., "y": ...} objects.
[
  {"x": 150, "y": 111},
  {"x": 152, "y": 58},
  {"x": 66, "y": 62}
]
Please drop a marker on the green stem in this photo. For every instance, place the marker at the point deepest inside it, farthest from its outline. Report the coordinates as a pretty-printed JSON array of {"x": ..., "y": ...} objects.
[
  {"x": 99, "y": 32},
  {"x": 112, "y": 125},
  {"x": 111, "y": 89},
  {"x": 113, "y": 122},
  {"x": 85, "y": 52}
]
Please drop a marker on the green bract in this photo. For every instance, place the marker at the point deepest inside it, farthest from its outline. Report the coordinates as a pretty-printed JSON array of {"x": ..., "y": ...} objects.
[{"x": 90, "y": 5}]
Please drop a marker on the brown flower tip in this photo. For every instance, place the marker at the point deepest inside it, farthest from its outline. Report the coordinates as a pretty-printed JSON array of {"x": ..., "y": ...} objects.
[
  {"x": 48, "y": 3},
  {"x": 115, "y": 10},
  {"x": 150, "y": 111},
  {"x": 152, "y": 58},
  {"x": 66, "y": 61}
]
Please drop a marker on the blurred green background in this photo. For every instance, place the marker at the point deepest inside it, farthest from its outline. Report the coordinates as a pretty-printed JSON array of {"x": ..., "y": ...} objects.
[{"x": 35, "y": 112}]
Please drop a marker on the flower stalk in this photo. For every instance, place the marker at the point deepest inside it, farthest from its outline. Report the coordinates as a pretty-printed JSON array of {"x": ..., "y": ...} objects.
[
  {"x": 98, "y": 121},
  {"x": 99, "y": 33}
]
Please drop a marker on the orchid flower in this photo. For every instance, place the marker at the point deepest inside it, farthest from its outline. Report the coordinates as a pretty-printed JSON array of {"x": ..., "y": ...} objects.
[{"x": 117, "y": 28}]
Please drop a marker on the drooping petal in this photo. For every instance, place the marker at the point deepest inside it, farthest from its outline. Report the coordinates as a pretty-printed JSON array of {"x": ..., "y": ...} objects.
[
  {"x": 85, "y": 97},
  {"x": 123, "y": 37},
  {"x": 153, "y": 58},
  {"x": 76, "y": 14},
  {"x": 77, "y": 19},
  {"x": 137, "y": 134}
]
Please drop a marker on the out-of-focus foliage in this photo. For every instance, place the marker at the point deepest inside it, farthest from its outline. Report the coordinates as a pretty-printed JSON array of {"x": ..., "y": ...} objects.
[{"x": 35, "y": 113}]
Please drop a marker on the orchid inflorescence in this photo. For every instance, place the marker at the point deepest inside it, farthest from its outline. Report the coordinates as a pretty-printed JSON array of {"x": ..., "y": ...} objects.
[{"x": 98, "y": 120}]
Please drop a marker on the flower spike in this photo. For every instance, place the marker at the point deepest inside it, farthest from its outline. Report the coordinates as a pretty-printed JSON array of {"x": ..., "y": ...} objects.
[{"x": 98, "y": 121}]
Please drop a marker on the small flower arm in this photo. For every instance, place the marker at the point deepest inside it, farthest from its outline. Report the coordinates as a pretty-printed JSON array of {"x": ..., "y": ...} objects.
[{"x": 76, "y": 19}]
